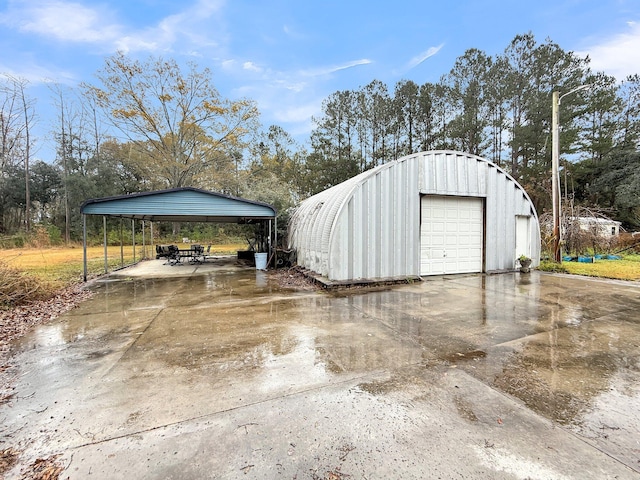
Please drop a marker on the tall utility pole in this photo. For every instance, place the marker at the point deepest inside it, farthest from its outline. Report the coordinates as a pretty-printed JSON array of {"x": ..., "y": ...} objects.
[
  {"x": 555, "y": 160},
  {"x": 556, "y": 99}
]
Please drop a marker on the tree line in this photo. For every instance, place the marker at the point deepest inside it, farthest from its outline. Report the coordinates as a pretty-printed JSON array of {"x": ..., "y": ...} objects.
[
  {"x": 152, "y": 124},
  {"x": 498, "y": 108}
]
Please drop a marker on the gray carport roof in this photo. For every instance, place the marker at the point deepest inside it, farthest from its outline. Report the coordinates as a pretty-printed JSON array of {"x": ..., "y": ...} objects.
[{"x": 185, "y": 204}]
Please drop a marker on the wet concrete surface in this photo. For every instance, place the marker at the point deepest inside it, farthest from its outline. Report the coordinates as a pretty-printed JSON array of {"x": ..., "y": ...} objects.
[{"x": 219, "y": 373}]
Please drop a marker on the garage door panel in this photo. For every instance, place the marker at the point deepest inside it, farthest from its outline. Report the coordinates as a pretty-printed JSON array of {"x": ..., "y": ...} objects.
[{"x": 451, "y": 235}]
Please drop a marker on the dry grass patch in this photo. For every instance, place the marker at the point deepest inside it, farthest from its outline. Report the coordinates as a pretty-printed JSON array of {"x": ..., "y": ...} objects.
[
  {"x": 18, "y": 287},
  {"x": 62, "y": 266}
]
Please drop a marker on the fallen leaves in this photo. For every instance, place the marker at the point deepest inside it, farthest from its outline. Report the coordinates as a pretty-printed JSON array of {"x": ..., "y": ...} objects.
[
  {"x": 293, "y": 278},
  {"x": 8, "y": 458},
  {"x": 17, "y": 321},
  {"x": 43, "y": 469}
]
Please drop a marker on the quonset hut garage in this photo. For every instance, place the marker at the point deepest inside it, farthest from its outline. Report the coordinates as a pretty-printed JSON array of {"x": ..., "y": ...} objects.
[{"x": 429, "y": 213}]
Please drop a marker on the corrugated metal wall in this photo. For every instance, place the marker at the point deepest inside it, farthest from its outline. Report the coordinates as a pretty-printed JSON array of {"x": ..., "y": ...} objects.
[{"x": 369, "y": 226}]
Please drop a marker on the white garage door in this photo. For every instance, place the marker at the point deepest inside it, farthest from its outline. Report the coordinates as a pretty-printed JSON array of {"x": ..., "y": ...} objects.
[{"x": 450, "y": 235}]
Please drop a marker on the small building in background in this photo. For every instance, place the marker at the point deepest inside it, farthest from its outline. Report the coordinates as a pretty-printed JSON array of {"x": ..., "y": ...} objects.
[
  {"x": 599, "y": 226},
  {"x": 429, "y": 213}
]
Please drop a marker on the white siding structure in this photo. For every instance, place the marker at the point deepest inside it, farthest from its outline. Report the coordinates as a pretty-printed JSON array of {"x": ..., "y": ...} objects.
[
  {"x": 429, "y": 213},
  {"x": 603, "y": 227}
]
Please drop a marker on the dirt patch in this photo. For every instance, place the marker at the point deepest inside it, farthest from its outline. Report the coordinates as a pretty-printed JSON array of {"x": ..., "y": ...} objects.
[{"x": 293, "y": 278}]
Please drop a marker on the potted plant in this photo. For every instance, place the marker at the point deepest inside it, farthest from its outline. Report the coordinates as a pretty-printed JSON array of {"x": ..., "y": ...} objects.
[{"x": 525, "y": 263}]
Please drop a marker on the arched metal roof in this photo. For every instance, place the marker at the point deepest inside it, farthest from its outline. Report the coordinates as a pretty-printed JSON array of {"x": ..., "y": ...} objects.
[
  {"x": 185, "y": 204},
  {"x": 367, "y": 226}
]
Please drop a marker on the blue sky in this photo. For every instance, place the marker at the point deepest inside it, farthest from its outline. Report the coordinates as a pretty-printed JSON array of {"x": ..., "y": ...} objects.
[{"x": 289, "y": 55}]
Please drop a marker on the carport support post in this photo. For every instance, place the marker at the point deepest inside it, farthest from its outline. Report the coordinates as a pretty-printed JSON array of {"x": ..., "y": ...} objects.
[
  {"x": 84, "y": 246},
  {"x": 104, "y": 234},
  {"x": 133, "y": 238},
  {"x": 121, "y": 245},
  {"x": 151, "y": 242},
  {"x": 144, "y": 249}
]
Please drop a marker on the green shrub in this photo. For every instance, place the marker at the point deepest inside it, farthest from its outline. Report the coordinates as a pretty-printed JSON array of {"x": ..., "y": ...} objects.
[
  {"x": 547, "y": 266},
  {"x": 55, "y": 235},
  {"x": 13, "y": 241}
]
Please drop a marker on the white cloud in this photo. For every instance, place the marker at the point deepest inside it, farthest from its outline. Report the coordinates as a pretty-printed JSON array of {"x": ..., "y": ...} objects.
[
  {"x": 286, "y": 97},
  {"x": 293, "y": 33},
  {"x": 38, "y": 74},
  {"x": 418, "y": 59},
  {"x": 251, "y": 67},
  {"x": 295, "y": 113},
  {"x": 184, "y": 23},
  {"x": 228, "y": 64},
  {"x": 296, "y": 87},
  {"x": 74, "y": 22},
  {"x": 618, "y": 55},
  {"x": 66, "y": 21},
  {"x": 329, "y": 70}
]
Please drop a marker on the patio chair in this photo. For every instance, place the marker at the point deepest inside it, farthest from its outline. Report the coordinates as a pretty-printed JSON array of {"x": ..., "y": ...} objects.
[
  {"x": 162, "y": 251},
  {"x": 174, "y": 255},
  {"x": 197, "y": 255}
]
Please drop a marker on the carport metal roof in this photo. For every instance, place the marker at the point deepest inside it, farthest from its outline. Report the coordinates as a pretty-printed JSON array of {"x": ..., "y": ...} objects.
[{"x": 185, "y": 204}]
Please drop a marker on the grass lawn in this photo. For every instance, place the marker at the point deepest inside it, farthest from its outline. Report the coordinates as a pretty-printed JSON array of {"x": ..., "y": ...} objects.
[
  {"x": 628, "y": 268},
  {"x": 62, "y": 266}
]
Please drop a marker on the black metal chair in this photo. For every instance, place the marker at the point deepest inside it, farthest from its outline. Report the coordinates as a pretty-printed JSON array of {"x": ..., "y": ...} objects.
[
  {"x": 197, "y": 254},
  {"x": 162, "y": 251},
  {"x": 174, "y": 255}
]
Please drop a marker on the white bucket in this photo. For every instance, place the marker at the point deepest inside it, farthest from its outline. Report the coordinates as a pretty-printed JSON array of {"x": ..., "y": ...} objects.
[{"x": 261, "y": 261}]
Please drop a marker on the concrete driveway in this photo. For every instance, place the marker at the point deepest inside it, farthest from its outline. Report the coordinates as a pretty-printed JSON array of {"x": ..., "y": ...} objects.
[{"x": 219, "y": 373}]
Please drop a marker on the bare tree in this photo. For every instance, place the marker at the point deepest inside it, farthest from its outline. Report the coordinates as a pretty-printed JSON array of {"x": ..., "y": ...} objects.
[
  {"x": 64, "y": 145},
  {"x": 17, "y": 116},
  {"x": 28, "y": 111}
]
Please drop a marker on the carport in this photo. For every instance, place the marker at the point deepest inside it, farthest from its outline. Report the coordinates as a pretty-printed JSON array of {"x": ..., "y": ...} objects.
[{"x": 186, "y": 204}]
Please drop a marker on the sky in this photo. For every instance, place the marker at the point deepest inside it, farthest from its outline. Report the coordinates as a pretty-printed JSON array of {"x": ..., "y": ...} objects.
[{"x": 289, "y": 55}]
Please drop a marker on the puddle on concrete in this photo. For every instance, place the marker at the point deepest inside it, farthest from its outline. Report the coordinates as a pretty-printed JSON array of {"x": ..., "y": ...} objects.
[
  {"x": 186, "y": 346},
  {"x": 559, "y": 373}
]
